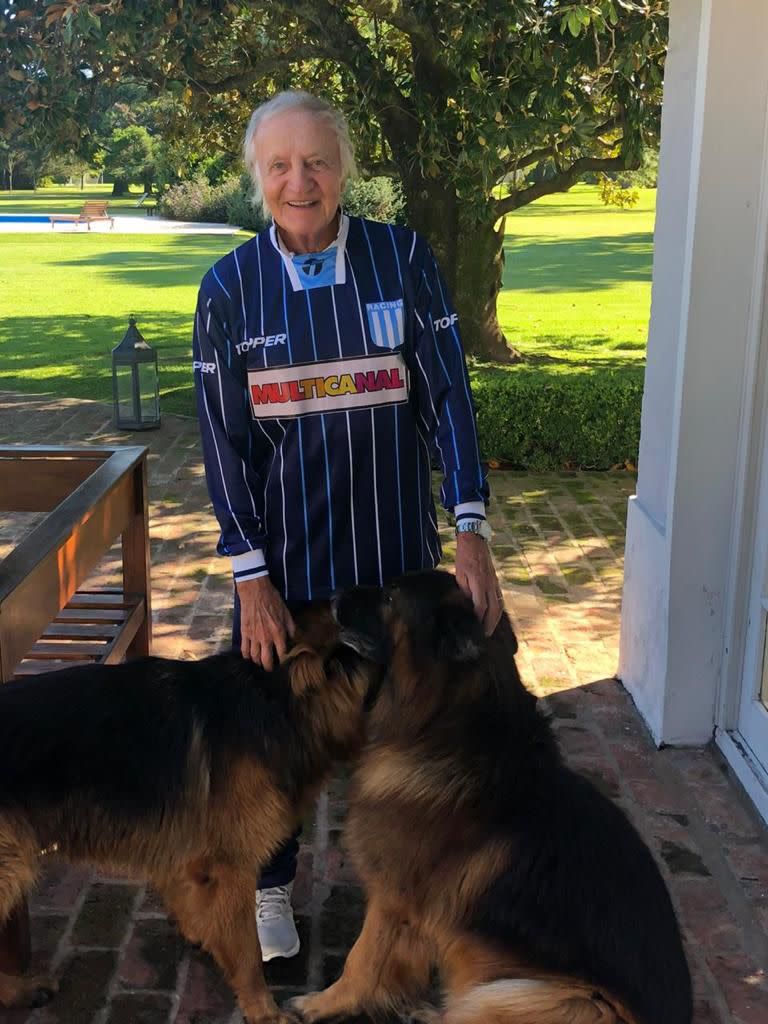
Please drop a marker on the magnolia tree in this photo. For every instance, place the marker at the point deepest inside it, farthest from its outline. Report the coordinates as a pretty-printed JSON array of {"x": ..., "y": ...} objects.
[{"x": 478, "y": 106}]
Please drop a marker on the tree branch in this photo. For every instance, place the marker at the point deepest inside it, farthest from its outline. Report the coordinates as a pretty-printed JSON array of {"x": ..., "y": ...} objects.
[
  {"x": 339, "y": 39},
  {"x": 561, "y": 182},
  {"x": 243, "y": 80},
  {"x": 379, "y": 168},
  {"x": 537, "y": 155},
  {"x": 425, "y": 46},
  {"x": 399, "y": 17}
]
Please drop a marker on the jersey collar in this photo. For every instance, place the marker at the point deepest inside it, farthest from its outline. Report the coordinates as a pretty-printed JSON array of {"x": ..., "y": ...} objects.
[{"x": 341, "y": 248}]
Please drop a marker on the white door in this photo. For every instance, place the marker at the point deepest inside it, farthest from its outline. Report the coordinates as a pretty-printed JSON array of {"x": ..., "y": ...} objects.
[{"x": 753, "y": 701}]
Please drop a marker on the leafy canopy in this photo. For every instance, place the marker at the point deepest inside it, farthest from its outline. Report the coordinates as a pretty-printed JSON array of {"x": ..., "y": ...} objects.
[{"x": 467, "y": 93}]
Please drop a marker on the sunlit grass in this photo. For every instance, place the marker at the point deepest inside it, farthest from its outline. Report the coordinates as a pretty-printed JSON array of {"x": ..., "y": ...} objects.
[
  {"x": 576, "y": 293},
  {"x": 577, "y": 278},
  {"x": 69, "y": 199},
  {"x": 65, "y": 302}
]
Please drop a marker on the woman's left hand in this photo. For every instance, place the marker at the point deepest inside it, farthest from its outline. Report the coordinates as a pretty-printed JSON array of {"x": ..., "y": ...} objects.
[{"x": 476, "y": 575}]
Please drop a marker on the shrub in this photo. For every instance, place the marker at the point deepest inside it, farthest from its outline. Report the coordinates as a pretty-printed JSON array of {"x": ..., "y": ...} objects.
[
  {"x": 229, "y": 202},
  {"x": 241, "y": 209},
  {"x": 377, "y": 199},
  {"x": 538, "y": 420},
  {"x": 190, "y": 200},
  {"x": 647, "y": 175},
  {"x": 614, "y": 193},
  {"x": 196, "y": 200}
]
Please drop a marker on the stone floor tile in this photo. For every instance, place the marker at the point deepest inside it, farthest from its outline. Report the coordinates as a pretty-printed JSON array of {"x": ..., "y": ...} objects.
[
  {"x": 105, "y": 915},
  {"x": 137, "y": 1008},
  {"x": 152, "y": 957}
]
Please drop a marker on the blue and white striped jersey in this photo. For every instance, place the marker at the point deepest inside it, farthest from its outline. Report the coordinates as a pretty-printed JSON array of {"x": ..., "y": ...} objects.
[{"x": 324, "y": 382}]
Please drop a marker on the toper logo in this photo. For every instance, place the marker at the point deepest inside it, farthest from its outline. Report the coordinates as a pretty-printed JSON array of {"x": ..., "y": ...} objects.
[
  {"x": 445, "y": 321},
  {"x": 267, "y": 340},
  {"x": 204, "y": 367}
]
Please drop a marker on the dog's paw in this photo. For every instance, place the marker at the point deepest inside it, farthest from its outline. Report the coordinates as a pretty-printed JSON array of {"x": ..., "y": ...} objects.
[
  {"x": 280, "y": 1017},
  {"x": 308, "y": 1009},
  {"x": 422, "y": 1015}
]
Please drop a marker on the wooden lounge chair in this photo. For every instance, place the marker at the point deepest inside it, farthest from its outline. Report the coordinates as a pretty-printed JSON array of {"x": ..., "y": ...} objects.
[
  {"x": 147, "y": 202},
  {"x": 93, "y": 209}
]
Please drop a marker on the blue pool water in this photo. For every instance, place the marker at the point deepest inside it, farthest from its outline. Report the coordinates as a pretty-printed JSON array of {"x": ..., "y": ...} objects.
[{"x": 23, "y": 218}]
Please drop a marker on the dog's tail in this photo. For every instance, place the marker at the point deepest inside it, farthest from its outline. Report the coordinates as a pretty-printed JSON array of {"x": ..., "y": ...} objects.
[{"x": 545, "y": 1001}]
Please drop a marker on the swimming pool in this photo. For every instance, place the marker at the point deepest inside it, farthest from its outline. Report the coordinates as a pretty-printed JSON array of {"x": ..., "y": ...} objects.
[{"x": 23, "y": 218}]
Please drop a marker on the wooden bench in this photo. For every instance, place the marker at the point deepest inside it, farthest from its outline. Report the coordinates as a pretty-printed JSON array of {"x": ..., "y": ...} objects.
[
  {"x": 93, "y": 209},
  {"x": 93, "y": 496}
]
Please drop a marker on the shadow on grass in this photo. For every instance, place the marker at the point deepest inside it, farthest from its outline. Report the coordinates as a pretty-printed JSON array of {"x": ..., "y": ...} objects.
[
  {"x": 71, "y": 356},
  {"x": 539, "y": 264},
  {"x": 587, "y": 363},
  {"x": 570, "y": 353},
  {"x": 182, "y": 259}
]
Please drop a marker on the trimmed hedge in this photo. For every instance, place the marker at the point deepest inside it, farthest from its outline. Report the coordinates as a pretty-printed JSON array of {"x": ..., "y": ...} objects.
[{"x": 541, "y": 420}]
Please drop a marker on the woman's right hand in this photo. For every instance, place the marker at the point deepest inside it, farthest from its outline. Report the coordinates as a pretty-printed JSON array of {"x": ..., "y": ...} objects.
[{"x": 266, "y": 625}]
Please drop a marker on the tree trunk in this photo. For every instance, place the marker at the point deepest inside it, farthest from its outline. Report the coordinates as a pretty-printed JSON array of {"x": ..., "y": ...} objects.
[
  {"x": 120, "y": 187},
  {"x": 471, "y": 256}
]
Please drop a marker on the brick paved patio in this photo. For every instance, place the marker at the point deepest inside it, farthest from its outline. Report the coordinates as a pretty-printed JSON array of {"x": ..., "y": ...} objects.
[{"x": 559, "y": 550}]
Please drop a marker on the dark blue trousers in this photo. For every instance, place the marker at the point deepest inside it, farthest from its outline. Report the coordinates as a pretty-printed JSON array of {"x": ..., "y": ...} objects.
[{"x": 281, "y": 870}]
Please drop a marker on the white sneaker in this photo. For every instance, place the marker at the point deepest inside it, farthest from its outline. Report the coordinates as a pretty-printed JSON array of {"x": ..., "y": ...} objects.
[{"x": 275, "y": 924}]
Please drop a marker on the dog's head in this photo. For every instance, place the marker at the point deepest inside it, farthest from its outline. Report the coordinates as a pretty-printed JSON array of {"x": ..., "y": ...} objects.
[
  {"x": 425, "y": 612},
  {"x": 331, "y": 678},
  {"x": 424, "y": 628}
]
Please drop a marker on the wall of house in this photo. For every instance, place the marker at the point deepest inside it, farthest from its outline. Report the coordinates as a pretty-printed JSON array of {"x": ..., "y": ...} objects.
[{"x": 680, "y": 523}]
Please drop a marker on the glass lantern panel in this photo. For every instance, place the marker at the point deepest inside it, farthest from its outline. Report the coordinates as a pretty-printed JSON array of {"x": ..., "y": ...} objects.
[
  {"x": 126, "y": 408},
  {"x": 148, "y": 391}
]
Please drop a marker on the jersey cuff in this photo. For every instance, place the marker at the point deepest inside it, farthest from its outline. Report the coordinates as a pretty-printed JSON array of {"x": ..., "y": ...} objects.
[
  {"x": 469, "y": 510},
  {"x": 249, "y": 566}
]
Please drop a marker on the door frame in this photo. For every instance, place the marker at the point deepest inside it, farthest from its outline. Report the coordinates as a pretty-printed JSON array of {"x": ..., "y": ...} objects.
[{"x": 752, "y": 461}]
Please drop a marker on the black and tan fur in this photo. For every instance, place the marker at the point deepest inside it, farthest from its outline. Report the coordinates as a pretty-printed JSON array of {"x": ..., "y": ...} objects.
[
  {"x": 189, "y": 774},
  {"x": 480, "y": 851}
]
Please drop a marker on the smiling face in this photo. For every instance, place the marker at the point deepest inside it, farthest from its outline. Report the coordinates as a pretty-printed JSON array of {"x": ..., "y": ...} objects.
[{"x": 300, "y": 168}]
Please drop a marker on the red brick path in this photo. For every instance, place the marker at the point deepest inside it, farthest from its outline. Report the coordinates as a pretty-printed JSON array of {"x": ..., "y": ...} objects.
[{"x": 559, "y": 548}]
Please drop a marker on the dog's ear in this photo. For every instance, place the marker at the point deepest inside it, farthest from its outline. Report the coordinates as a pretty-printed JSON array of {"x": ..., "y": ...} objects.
[
  {"x": 458, "y": 634},
  {"x": 306, "y": 669}
]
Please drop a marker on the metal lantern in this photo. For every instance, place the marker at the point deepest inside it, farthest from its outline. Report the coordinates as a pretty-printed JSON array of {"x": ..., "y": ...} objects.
[{"x": 135, "y": 390}]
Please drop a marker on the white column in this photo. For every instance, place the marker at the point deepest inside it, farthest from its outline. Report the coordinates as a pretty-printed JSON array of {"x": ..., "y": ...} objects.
[{"x": 680, "y": 521}]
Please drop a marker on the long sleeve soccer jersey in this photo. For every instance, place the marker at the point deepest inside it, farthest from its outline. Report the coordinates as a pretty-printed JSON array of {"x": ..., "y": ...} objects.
[{"x": 324, "y": 382}]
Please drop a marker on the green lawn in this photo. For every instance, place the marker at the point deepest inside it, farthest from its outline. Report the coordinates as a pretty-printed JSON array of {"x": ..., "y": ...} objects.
[
  {"x": 576, "y": 292},
  {"x": 69, "y": 199},
  {"x": 577, "y": 280}
]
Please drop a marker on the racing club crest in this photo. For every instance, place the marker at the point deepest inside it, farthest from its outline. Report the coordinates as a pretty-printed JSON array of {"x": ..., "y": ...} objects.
[{"x": 385, "y": 321}]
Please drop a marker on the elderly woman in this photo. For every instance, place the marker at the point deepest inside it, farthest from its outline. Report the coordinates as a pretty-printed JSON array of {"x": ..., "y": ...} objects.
[{"x": 328, "y": 366}]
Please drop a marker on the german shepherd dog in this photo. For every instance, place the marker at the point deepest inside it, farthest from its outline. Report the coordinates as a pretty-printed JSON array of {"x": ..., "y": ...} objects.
[
  {"x": 189, "y": 774},
  {"x": 479, "y": 850}
]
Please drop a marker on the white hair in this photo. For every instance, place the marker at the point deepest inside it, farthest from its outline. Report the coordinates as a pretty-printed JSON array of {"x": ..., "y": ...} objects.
[{"x": 295, "y": 99}]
